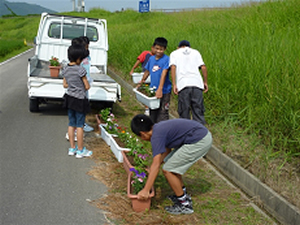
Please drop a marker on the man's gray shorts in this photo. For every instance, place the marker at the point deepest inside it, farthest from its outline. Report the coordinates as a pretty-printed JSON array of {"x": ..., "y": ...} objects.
[{"x": 179, "y": 160}]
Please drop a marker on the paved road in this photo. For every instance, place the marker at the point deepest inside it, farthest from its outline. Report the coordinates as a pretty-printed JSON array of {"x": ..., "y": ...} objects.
[{"x": 39, "y": 183}]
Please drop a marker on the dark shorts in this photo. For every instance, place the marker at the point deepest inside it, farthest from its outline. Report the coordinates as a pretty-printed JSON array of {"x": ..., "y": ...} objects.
[{"x": 76, "y": 119}]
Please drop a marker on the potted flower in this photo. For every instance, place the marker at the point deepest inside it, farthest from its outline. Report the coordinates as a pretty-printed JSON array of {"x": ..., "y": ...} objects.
[
  {"x": 136, "y": 181},
  {"x": 54, "y": 67},
  {"x": 147, "y": 90},
  {"x": 109, "y": 127},
  {"x": 118, "y": 143},
  {"x": 146, "y": 95},
  {"x": 103, "y": 115},
  {"x": 136, "y": 157}
]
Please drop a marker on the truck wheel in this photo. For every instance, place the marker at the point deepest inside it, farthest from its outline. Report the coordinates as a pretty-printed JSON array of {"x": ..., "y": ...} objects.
[{"x": 33, "y": 104}]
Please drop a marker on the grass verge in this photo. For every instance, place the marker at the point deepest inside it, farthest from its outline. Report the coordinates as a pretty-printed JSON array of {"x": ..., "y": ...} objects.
[{"x": 215, "y": 202}]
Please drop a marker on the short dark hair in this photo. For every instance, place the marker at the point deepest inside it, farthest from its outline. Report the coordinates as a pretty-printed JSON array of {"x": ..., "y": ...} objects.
[
  {"x": 77, "y": 41},
  {"x": 77, "y": 51},
  {"x": 141, "y": 122},
  {"x": 161, "y": 41},
  {"x": 184, "y": 43},
  {"x": 85, "y": 39}
]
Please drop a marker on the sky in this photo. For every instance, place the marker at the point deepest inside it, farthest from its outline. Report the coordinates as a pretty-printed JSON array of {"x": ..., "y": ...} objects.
[{"x": 117, "y": 5}]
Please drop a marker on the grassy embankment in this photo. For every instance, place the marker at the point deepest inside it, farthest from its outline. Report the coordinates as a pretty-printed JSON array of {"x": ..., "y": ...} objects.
[
  {"x": 14, "y": 35},
  {"x": 252, "y": 55}
]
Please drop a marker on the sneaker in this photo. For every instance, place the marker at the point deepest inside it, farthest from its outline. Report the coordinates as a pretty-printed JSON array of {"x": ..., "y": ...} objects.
[
  {"x": 147, "y": 112},
  {"x": 178, "y": 208},
  {"x": 72, "y": 151},
  {"x": 87, "y": 128},
  {"x": 174, "y": 199},
  {"x": 83, "y": 153},
  {"x": 75, "y": 136}
]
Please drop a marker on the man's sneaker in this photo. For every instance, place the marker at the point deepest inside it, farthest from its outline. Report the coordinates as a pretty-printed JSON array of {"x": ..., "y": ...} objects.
[
  {"x": 72, "y": 151},
  {"x": 174, "y": 199},
  {"x": 178, "y": 208},
  {"x": 87, "y": 128},
  {"x": 83, "y": 153},
  {"x": 147, "y": 112},
  {"x": 75, "y": 136}
]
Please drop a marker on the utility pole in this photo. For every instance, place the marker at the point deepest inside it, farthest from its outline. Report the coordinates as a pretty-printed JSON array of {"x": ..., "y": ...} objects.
[
  {"x": 73, "y": 5},
  {"x": 80, "y": 5}
]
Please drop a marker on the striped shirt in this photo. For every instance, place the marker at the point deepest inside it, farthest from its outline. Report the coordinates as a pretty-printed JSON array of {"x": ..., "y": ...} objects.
[{"x": 73, "y": 75}]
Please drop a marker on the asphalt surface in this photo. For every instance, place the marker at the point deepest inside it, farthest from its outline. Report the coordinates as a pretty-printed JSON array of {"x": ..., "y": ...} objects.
[{"x": 39, "y": 183}]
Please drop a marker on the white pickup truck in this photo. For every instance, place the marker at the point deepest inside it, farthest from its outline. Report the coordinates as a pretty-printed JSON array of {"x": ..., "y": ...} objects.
[{"x": 53, "y": 38}]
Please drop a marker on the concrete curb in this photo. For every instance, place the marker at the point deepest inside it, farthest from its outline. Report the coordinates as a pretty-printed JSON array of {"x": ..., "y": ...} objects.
[{"x": 272, "y": 202}]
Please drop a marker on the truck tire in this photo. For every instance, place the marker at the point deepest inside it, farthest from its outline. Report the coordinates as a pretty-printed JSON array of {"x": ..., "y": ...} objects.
[{"x": 33, "y": 105}]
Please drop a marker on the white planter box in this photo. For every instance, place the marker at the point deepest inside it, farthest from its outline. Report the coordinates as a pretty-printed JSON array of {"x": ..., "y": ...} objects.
[
  {"x": 105, "y": 135},
  {"x": 136, "y": 78},
  {"x": 116, "y": 149},
  {"x": 151, "y": 102}
]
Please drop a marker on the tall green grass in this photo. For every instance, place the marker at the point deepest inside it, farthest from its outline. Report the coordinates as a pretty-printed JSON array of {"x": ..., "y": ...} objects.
[
  {"x": 7, "y": 47},
  {"x": 19, "y": 28},
  {"x": 252, "y": 54}
]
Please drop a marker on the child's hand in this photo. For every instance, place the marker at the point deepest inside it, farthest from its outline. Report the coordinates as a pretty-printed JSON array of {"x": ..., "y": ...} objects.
[
  {"x": 158, "y": 94},
  {"x": 139, "y": 84},
  {"x": 143, "y": 195}
]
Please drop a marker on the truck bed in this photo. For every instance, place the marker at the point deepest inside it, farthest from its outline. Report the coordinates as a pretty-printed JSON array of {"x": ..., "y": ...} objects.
[{"x": 43, "y": 71}]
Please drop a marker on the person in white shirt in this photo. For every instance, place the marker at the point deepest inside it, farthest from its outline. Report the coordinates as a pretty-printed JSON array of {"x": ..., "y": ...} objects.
[{"x": 188, "y": 83}]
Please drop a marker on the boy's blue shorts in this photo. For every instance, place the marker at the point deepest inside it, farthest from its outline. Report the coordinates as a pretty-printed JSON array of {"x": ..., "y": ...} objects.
[{"x": 76, "y": 119}]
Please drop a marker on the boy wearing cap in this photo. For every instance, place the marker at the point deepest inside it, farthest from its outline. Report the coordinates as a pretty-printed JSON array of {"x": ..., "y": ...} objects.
[
  {"x": 158, "y": 69},
  {"x": 188, "y": 84},
  {"x": 189, "y": 140}
]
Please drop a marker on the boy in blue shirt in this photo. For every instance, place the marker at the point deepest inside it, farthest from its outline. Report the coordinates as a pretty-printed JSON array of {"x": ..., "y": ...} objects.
[
  {"x": 158, "y": 69},
  {"x": 190, "y": 141}
]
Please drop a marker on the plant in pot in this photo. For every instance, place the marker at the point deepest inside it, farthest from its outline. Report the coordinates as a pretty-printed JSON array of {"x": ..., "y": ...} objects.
[
  {"x": 54, "y": 66},
  {"x": 103, "y": 116},
  {"x": 146, "y": 95},
  {"x": 136, "y": 181},
  {"x": 136, "y": 157},
  {"x": 112, "y": 125},
  {"x": 147, "y": 90}
]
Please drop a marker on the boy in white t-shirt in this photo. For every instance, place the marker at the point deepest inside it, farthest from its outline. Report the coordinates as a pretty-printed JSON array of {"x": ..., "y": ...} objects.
[{"x": 188, "y": 84}]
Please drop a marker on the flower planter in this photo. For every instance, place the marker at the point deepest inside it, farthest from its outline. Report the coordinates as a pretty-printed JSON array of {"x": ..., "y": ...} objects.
[
  {"x": 107, "y": 137},
  {"x": 117, "y": 150},
  {"x": 151, "y": 102},
  {"x": 126, "y": 163},
  {"x": 99, "y": 121},
  {"x": 54, "y": 71},
  {"x": 138, "y": 205},
  {"x": 137, "y": 77}
]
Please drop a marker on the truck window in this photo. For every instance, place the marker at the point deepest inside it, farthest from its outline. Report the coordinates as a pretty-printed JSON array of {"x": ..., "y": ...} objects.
[{"x": 71, "y": 31}]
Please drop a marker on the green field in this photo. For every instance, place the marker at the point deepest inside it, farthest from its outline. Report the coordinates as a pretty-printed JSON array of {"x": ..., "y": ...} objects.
[{"x": 252, "y": 56}]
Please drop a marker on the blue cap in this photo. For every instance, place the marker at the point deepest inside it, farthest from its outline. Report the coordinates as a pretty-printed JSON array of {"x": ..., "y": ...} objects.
[{"x": 184, "y": 43}]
